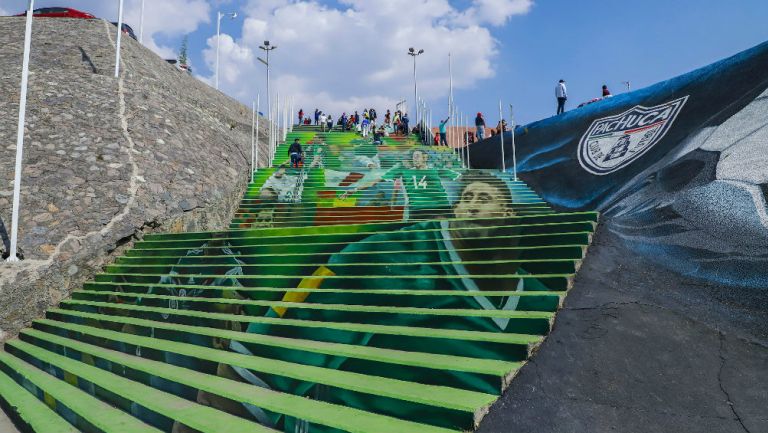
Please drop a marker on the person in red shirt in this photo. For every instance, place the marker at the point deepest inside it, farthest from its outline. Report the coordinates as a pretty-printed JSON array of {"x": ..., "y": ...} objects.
[{"x": 606, "y": 92}]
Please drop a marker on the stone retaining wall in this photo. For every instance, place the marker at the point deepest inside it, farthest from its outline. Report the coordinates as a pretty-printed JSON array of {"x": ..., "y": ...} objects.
[{"x": 106, "y": 160}]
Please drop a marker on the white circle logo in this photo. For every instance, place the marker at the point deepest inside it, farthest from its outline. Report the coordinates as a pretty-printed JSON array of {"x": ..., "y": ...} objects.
[{"x": 614, "y": 142}]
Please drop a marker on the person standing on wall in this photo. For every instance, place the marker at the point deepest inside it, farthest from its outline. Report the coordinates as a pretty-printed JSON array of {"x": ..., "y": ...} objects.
[
  {"x": 443, "y": 133},
  {"x": 323, "y": 121},
  {"x": 480, "y": 126},
  {"x": 561, "y": 93},
  {"x": 301, "y": 116}
]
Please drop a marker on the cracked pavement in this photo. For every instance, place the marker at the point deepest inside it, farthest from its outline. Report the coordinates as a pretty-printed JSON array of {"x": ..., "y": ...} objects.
[{"x": 639, "y": 349}]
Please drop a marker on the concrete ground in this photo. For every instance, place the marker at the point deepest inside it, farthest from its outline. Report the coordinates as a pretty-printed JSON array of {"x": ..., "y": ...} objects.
[
  {"x": 639, "y": 349},
  {"x": 6, "y": 426}
]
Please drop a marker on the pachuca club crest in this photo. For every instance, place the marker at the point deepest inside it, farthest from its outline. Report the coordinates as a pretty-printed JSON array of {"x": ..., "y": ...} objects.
[{"x": 612, "y": 143}]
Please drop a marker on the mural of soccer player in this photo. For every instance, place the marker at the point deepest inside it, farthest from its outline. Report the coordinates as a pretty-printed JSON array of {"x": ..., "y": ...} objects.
[
  {"x": 425, "y": 195},
  {"x": 472, "y": 252},
  {"x": 192, "y": 276}
]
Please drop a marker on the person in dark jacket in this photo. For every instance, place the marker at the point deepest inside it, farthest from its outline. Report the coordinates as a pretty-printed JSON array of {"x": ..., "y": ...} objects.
[
  {"x": 295, "y": 152},
  {"x": 480, "y": 125}
]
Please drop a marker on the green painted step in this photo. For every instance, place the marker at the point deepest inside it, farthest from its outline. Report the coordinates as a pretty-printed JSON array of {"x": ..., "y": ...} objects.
[
  {"x": 527, "y": 341},
  {"x": 528, "y": 300},
  {"x": 97, "y": 415},
  {"x": 246, "y": 245},
  {"x": 557, "y": 282},
  {"x": 207, "y": 419},
  {"x": 501, "y": 314},
  {"x": 497, "y": 373},
  {"x": 291, "y": 252},
  {"x": 454, "y": 402},
  {"x": 31, "y": 414},
  {"x": 274, "y": 267},
  {"x": 378, "y": 228}
]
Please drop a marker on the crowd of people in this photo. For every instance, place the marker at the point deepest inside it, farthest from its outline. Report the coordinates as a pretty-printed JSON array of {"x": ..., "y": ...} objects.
[{"x": 368, "y": 123}]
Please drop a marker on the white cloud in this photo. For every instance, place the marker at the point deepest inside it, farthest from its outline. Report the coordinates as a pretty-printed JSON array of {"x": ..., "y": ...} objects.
[
  {"x": 494, "y": 12},
  {"x": 166, "y": 17},
  {"x": 354, "y": 56},
  {"x": 4, "y": 12}
]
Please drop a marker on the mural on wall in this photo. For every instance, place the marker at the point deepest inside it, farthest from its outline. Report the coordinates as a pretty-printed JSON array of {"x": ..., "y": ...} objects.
[{"x": 679, "y": 170}]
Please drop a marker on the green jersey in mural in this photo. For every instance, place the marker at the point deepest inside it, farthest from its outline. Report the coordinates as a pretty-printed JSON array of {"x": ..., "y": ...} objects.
[
  {"x": 431, "y": 244},
  {"x": 424, "y": 187}
]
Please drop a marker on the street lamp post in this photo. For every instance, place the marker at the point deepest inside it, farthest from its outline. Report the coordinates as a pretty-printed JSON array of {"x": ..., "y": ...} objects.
[
  {"x": 20, "y": 135},
  {"x": 413, "y": 53},
  {"x": 256, "y": 164},
  {"x": 267, "y": 48},
  {"x": 119, "y": 38},
  {"x": 141, "y": 24},
  {"x": 220, "y": 15}
]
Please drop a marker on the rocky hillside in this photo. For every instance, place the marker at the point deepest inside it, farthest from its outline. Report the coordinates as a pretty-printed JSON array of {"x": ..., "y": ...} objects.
[{"x": 106, "y": 160}]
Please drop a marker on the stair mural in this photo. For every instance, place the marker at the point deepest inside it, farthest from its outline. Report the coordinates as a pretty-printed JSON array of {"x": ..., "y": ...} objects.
[{"x": 378, "y": 287}]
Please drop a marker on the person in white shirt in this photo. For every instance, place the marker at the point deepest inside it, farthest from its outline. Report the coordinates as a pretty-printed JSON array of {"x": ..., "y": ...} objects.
[
  {"x": 323, "y": 121},
  {"x": 561, "y": 94}
]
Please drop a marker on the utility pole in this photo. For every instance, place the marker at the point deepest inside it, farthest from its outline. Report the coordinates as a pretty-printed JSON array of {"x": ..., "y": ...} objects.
[{"x": 220, "y": 15}]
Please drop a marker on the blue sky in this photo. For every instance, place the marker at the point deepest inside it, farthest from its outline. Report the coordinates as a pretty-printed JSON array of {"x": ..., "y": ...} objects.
[{"x": 343, "y": 55}]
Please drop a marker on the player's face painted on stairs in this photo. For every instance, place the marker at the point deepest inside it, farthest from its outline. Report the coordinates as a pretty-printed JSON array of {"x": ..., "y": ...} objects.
[
  {"x": 479, "y": 200},
  {"x": 419, "y": 160}
]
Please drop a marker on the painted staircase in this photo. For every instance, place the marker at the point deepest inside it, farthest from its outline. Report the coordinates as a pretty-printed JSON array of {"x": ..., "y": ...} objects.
[{"x": 377, "y": 288}]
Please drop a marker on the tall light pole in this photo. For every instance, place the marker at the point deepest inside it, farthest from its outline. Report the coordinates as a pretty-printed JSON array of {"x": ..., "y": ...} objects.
[
  {"x": 413, "y": 53},
  {"x": 220, "y": 15},
  {"x": 267, "y": 48},
  {"x": 20, "y": 135},
  {"x": 141, "y": 23},
  {"x": 256, "y": 164},
  {"x": 119, "y": 38}
]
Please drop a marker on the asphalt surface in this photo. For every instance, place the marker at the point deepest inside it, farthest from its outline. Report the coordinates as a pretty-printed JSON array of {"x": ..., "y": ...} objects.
[{"x": 637, "y": 348}]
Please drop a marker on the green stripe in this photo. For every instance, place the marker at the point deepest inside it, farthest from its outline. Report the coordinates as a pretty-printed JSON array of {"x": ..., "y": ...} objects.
[
  {"x": 389, "y": 356},
  {"x": 432, "y": 395},
  {"x": 572, "y": 251},
  {"x": 26, "y": 409},
  {"x": 282, "y": 232},
  {"x": 92, "y": 286},
  {"x": 141, "y": 249},
  {"x": 503, "y": 314},
  {"x": 454, "y": 334},
  {"x": 103, "y": 416},
  {"x": 207, "y": 419}
]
